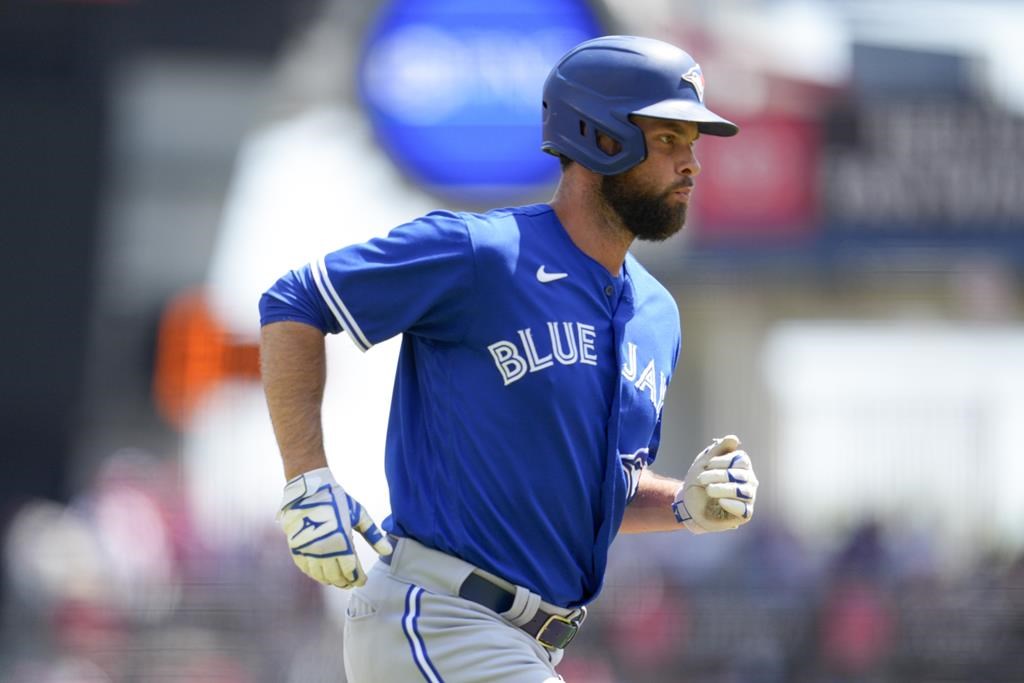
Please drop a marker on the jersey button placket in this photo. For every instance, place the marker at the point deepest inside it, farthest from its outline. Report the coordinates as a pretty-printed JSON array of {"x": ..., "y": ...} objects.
[{"x": 609, "y": 290}]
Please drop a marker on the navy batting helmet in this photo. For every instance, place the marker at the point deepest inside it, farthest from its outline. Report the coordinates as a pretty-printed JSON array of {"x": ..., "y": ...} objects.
[{"x": 600, "y": 82}]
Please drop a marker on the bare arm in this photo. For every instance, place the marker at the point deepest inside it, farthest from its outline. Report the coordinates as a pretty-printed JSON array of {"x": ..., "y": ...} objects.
[
  {"x": 651, "y": 509},
  {"x": 293, "y": 367}
]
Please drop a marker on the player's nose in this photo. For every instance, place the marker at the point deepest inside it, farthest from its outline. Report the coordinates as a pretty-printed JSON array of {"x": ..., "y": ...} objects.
[{"x": 688, "y": 163}]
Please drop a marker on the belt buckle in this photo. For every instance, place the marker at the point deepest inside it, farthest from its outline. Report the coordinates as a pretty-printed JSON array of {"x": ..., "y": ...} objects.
[{"x": 564, "y": 629}]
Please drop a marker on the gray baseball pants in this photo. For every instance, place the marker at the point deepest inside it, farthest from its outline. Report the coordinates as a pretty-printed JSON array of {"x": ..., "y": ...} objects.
[{"x": 408, "y": 624}]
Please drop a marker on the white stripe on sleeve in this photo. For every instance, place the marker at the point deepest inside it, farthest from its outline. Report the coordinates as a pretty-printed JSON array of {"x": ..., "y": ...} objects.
[{"x": 334, "y": 302}]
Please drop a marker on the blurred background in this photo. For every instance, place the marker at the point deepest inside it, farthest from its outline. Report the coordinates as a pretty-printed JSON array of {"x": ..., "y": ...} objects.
[{"x": 850, "y": 286}]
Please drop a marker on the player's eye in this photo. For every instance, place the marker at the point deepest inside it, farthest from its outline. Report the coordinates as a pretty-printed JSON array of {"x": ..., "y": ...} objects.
[{"x": 667, "y": 138}]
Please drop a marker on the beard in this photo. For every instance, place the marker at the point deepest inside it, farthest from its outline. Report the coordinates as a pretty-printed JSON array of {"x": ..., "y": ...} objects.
[{"x": 650, "y": 216}]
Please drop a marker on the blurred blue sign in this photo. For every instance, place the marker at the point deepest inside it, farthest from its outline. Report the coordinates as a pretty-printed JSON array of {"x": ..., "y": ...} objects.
[{"x": 453, "y": 89}]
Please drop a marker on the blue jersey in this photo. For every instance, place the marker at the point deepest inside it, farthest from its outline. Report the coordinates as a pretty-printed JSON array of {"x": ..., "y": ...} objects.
[{"x": 529, "y": 386}]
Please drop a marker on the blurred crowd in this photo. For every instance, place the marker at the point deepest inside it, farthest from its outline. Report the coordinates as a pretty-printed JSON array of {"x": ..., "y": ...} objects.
[{"x": 120, "y": 586}]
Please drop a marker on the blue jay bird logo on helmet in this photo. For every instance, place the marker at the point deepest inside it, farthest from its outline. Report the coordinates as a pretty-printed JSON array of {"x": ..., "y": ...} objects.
[{"x": 695, "y": 77}]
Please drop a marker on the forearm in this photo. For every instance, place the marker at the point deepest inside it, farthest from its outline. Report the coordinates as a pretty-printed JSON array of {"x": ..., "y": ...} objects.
[
  {"x": 651, "y": 509},
  {"x": 293, "y": 369}
]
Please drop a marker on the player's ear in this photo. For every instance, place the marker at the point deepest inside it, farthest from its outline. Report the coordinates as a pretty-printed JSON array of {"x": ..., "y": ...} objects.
[{"x": 608, "y": 145}]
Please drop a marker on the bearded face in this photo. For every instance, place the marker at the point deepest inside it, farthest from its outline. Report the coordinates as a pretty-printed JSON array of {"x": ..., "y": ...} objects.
[{"x": 650, "y": 213}]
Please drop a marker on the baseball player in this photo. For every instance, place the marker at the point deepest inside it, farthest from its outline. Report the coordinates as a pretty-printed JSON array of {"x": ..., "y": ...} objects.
[{"x": 536, "y": 353}]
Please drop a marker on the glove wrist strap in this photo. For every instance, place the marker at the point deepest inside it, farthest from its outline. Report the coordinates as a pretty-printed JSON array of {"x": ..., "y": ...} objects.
[
  {"x": 683, "y": 515},
  {"x": 305, "y": 484}
]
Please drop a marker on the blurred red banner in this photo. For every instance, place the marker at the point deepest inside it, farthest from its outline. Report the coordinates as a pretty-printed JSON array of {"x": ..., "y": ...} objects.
[{"x": 760, "y": 186}]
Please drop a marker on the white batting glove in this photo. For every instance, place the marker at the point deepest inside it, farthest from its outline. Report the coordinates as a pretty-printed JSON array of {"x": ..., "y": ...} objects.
[
  {"x": 318, "y": 517},
  {"x": 719, "y": 489}
]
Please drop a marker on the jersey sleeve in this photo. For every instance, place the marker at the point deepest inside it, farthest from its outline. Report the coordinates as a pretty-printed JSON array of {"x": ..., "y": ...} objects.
[
  {"x": 291, "y": 299},
  {"x": 419, "y": 279}
]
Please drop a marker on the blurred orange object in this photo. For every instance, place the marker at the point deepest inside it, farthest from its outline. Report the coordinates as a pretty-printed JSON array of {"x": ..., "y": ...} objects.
[{"x": 193, "y": 354}]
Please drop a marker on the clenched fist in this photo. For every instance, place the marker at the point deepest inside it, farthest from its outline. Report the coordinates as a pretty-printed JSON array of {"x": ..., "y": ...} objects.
[{"x": 719, "y": 489}]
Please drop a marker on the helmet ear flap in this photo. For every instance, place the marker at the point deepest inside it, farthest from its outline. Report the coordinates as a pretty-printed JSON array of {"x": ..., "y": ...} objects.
[
  {"x": 574, "y": 133},
  {"x": 608, "y": 144},
  {"x": 627, "y": 146}
]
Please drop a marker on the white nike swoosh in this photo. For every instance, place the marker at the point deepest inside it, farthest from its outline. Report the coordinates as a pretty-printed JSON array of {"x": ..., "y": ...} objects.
[{"x": 545, "y": 276}]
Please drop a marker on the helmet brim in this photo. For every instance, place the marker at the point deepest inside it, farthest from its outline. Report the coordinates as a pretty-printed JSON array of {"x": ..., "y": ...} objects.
[{"x": 708, "y": 122}]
